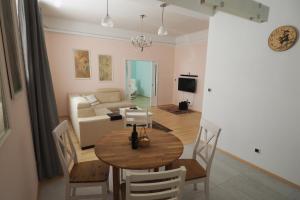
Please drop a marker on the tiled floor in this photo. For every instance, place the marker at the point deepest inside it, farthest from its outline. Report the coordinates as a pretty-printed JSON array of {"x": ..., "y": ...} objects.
[{"x": 230, "y": 180}]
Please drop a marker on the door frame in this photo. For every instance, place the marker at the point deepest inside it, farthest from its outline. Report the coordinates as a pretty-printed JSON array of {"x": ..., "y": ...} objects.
[
  {"x": 155, "y": 67},
  {"x": 155, "y": 92}
]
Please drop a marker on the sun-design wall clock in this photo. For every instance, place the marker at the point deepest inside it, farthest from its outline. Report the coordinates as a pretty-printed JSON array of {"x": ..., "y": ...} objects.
[{"x": 283, "y": 38}]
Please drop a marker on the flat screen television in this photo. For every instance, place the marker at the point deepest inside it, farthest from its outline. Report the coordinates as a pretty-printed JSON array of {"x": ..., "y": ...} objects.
[{"x": 187, "y": 84}]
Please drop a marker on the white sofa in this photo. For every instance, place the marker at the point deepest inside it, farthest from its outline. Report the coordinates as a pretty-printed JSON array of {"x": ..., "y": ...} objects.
[{"x": 91, "y": 121}]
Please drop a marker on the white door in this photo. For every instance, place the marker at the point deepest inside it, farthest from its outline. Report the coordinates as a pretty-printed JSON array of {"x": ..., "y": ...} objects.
[{"x": 154, "y": 84}]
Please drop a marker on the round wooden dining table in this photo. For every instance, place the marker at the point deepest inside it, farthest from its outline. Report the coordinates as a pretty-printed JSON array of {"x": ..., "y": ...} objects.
[{"x": 115, "y": 149}]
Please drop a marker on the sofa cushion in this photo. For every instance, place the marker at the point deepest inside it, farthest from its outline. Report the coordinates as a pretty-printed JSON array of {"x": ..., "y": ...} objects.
[
  {"x": 86, "y": 112},
  {"x": 92, "y": 99},
  {"x": 114, "y": 105},
  {"x": 108, "y": 90},
  {"x": 101, "y": 111},
  {"x": 83, "y": 105},
  {"x": 108, "y": 97},
  {"x": 80, "y": 102}
]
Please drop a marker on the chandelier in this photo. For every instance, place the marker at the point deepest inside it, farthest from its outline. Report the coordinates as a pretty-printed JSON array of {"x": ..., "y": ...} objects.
[{"x": 141, "y": 41}]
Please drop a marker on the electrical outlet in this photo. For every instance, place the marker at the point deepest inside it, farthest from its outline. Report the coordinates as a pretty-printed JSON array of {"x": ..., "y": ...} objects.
[{"x": 257, "y": 150}]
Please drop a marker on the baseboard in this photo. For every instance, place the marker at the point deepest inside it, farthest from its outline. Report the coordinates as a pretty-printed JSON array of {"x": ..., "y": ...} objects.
[{"x": 279, "y": 178}]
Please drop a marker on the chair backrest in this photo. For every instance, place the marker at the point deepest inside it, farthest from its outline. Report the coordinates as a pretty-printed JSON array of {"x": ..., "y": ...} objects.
[
  {"x": 138, "y": 116},
  {"x": 206, "y": 144},
  {"x": 155, "y": 185},
  {"x": 65, "y": 147}
]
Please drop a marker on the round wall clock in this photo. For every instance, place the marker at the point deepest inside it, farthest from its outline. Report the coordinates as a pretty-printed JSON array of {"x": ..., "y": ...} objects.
[{"x": 283, "y": 38}]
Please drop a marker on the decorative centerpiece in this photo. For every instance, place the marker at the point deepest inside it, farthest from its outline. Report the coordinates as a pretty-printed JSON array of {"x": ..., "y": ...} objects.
[
  {"x": 134, "y": 138},
  {"x": 144, "y": 140},
  {"x": 139, "y": 139}
]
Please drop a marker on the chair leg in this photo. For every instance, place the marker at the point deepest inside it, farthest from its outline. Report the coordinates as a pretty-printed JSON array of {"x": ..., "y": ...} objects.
[
  {"x": 73, "y": 192},
  {"x": 122, "y": 179},
  {"x": 195, "y": 186},
  {"x": 104, "y": 190},
  {"x": 68, "y": 192},
  {"x": 107, "y": 186},
  {"x": 206, "y": 189}
]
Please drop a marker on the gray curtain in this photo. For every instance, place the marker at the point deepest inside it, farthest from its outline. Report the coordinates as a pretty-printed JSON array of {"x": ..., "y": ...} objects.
[{"x": 41, "y": 99}]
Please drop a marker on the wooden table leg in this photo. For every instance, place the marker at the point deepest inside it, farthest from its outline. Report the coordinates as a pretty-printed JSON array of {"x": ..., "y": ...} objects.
[{"x": 116, "y": 183}]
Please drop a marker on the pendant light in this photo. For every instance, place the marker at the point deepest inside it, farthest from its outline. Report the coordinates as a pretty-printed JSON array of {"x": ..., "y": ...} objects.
[
  {"x": 107, "y": 20},
  {"x": 162, "y": 31}
]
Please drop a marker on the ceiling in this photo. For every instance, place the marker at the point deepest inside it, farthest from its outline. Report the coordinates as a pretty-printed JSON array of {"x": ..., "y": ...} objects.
[{"x": 125, "y": 14}]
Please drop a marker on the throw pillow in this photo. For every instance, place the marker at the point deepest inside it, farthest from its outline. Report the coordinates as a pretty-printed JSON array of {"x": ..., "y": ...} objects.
[{"x": 92, "y": 99}]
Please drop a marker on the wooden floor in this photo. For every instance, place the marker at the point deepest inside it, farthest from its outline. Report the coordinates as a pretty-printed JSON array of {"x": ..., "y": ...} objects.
[{"x": 184, "y": 126}]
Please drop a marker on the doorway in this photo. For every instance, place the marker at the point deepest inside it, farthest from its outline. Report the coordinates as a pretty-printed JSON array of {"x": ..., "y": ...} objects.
[{"x": 141, "y": 82}]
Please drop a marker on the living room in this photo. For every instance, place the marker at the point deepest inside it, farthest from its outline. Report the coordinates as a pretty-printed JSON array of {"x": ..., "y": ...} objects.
[
  {"x": 210, "y": 68},
  {"x": 174, "y": 55}
]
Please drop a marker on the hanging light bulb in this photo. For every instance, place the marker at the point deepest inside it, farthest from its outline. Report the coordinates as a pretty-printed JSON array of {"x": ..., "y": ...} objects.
[
  {"x": 162, "y": 31},
  {"x": 107, "y": 20}
]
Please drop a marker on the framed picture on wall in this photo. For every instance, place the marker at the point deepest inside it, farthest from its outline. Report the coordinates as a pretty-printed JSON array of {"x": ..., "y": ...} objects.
[
  {"x": 105, "y": 68},
  {"x": 13, "y": 56},
  {"x": 82, "y": 64}
]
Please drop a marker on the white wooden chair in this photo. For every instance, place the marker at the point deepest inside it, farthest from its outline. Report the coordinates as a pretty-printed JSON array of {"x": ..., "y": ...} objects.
[
  {"x": 140, "y": 117},
  {"x": 198, "y": 170},
  {"x": 83, "y": 174},
  {"x": 154, "y": 185}
]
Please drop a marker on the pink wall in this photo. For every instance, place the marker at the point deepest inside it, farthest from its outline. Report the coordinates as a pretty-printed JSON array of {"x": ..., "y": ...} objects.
[
  {"x": 60, "y": 52},
  {"x": 190, "y": 58}
]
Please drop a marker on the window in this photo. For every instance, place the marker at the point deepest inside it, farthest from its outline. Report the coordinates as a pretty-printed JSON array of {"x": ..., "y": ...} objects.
[
  {"x": 10, "y": 36},
  {"x": 10, "y": 60},
  {"x": 3, "y": 118},
  {"x": 3, "y": 113}
]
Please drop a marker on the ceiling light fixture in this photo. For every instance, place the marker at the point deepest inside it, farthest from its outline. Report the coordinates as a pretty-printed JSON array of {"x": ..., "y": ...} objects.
[
  {"x": 107, "y": 20},
  {"x": 162, "y": 31},
  {"x": 141, "y": 41}
]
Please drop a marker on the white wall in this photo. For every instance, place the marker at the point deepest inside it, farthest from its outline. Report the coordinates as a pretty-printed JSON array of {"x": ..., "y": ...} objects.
[
  {"x": 18, "y": 174},
  {"x": 255, "y": 94}
]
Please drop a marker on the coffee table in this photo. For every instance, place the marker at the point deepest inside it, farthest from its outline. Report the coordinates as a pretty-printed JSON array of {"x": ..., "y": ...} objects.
[{"x": 136, "y": 114}]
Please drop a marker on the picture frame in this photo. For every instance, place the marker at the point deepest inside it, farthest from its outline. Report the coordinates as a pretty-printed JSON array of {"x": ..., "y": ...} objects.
[
  {"x": 105, "y": 68},
  {"x": 82, "y": 67}
]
